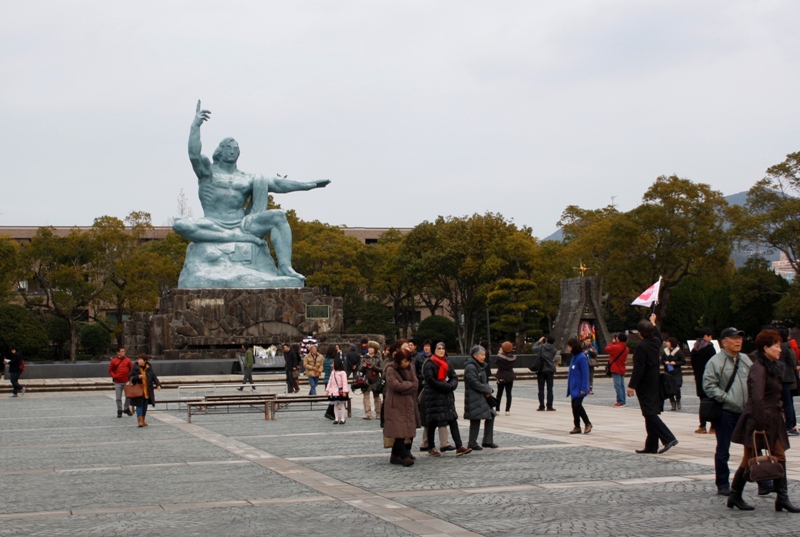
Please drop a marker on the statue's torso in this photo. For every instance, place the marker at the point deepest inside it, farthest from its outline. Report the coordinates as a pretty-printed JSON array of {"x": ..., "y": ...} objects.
[{"x": 224, "y": 194}]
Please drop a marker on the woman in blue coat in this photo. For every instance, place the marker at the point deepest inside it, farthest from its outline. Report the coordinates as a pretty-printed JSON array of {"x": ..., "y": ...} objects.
[{"x": 578, "y": 386}]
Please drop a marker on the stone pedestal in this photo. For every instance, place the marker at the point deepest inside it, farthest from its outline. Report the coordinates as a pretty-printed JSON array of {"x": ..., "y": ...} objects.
[
  {"x": 215, "y": 265},
  {"x": 214, "y": 323}
]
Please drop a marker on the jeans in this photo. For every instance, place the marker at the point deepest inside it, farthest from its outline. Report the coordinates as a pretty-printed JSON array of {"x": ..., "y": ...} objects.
[
  {"x": 543, "y": 379},
  {"x": 14, "y": 378},
  {"x": 725, "y": 426},
  {"x": 788, "y": 407},
  {"x": 141, "y": 410},
  {"x": 578, "y": 412},
  {"x": 500, "y": 387},
  {"x": 312, "y": 381},
  {"x": 119, "y": 391},
  {"x": 619, "y": 387}
]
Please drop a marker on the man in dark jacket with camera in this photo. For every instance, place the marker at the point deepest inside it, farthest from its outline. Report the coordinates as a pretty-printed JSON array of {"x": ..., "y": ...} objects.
[{"x": 547, "y": 369}]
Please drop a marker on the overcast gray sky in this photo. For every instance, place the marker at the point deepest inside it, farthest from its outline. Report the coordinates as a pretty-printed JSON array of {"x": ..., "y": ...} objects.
[{"x": 413, "y": 109}]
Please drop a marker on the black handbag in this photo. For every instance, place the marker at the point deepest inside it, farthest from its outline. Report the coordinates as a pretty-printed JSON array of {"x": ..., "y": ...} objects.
[
  {"x": 492, "y": 400},
  {"x": 763, "y": 467},
  {"x": 711, "y": 409}
]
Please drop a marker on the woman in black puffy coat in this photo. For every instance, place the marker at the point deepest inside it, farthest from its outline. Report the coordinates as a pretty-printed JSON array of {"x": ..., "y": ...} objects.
[{"x": 439, "y": 400}]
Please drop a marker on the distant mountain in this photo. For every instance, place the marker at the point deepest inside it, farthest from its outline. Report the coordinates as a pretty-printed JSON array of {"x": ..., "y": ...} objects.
[{"x": 739, "y": 256}]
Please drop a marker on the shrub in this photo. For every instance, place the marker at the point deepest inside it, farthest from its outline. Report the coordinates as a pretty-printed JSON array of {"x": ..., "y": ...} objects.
[
  {"x": 95, "y": 339},
  {"x": 437, "y": 328},
  {"x": 21, "y": 329}
]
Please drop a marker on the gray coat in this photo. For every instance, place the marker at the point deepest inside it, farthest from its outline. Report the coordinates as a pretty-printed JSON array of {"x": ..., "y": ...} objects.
[
  {"x": 476, "y": 407},
  {"x": 548, "y": 352}
]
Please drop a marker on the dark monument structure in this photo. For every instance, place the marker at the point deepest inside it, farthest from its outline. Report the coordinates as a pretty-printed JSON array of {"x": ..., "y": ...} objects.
[
  {"x": 231, "y": 292},
  {"x": 579, "y": 308}
]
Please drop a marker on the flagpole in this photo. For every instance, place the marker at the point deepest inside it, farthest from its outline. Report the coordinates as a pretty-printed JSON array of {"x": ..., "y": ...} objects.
[{"x": 655, "y": 302}]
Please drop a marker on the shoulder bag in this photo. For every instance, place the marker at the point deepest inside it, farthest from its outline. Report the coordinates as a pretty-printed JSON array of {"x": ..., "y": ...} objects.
[
  {"x": 711, "y": 409},
  {"x": 134, "y": 390},
  {"x": 537, "y": 363},
  {"x": 763, "y": 467},
  {"x": 612, "y": 362}
]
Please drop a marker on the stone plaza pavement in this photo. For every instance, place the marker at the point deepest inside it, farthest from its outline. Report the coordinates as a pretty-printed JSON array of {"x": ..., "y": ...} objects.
[{"x": 68, "y": 466}]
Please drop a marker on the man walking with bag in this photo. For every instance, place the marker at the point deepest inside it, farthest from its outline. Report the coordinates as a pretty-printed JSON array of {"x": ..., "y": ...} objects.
[{"x": 725, "y": 380}]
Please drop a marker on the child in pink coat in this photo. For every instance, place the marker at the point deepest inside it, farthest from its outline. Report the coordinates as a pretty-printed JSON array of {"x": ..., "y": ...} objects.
[{"x": 338, "y": 387}]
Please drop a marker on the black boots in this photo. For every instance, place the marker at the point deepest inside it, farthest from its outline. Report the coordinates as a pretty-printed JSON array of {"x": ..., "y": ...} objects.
[
  {"x": 781, "y": 488},
  {"x": 678, "y": 401},
  {"x": 672, "y": 404},
  {"x": 735, "y": 497}
]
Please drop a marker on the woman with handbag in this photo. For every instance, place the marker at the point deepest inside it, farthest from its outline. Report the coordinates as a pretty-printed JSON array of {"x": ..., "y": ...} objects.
[
  {"x": 338, "y": 391},
  {"x": 143, "y": 376},
  {"x": 673, "y": 359},
  {"x": 762, "y": 424},
  {"x": 401, "y": 414},
  {"x": 505, "y": 374}
]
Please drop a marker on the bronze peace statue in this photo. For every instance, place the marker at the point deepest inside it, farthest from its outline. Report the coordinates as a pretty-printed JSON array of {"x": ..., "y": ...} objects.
[{"x": 227, "y": 247}]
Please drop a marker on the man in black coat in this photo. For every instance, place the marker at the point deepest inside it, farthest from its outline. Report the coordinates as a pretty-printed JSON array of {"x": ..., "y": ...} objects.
[
  {"x": 352, "y": 361},
  {"x": 645, "y": 383},
  {"x": 789, "y": 361},
  {"x": 14, "y": 370},
  {"x": 702, "y": 351}
]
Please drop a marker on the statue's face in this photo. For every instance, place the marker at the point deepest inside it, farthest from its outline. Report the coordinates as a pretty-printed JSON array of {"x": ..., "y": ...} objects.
[{"x": 230, "y": 152}]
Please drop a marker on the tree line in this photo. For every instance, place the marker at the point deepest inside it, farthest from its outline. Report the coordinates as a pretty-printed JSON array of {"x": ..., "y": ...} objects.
[{"x": 481, "y": 269}]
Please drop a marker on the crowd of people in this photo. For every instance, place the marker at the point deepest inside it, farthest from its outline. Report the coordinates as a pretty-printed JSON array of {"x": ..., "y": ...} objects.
[{"x": 745, "y": 399}]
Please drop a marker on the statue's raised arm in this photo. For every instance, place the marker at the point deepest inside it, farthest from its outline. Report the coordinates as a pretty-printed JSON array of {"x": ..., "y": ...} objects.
[
  {"x": 282, "y": 185},
  {"x": 200, "y": 163}
]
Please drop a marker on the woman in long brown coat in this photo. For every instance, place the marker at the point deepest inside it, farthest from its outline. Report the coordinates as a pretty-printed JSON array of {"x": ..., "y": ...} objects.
[
  {"x": 763, "y": 413},
  {"x": 401, "y": 416}
]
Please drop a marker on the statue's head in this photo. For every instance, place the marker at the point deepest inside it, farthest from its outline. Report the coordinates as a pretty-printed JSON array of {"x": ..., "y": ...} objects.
[{"x": 226, "y": 151}]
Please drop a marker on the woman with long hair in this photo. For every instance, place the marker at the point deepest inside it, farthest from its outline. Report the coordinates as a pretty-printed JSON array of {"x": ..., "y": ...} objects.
[{"x": 763, "y": 413}]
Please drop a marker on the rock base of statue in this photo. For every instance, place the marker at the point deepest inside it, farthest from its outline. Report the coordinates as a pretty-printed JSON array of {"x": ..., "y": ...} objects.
[
  {"x": 240, "y": 265},
  {"x": 580, "y": 303},
  {"x": 215, "y": 323}
]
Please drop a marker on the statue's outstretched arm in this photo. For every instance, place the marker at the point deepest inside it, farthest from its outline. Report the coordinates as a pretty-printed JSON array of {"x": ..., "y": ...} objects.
[
  {"x": 281, "y": 185},
  {"x": 200, "y": 163}
]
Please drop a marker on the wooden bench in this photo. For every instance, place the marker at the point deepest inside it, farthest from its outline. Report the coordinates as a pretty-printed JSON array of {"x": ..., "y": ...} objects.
[
  {"x": 179, "y": 401},
  {"x": 204, "y": 405},
  {"x": 284, "y": 401}
]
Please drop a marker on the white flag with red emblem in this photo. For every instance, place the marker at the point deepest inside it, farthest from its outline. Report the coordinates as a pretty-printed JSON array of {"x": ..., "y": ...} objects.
[{"x": 648, "y": 297}]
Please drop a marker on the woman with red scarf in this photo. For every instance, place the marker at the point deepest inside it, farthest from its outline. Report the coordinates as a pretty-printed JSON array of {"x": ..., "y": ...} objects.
[{"x": 439, "y": 400}]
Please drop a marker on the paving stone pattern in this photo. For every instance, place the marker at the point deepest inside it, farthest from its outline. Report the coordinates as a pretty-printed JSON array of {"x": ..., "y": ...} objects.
[{"x": 68, "y": 466}]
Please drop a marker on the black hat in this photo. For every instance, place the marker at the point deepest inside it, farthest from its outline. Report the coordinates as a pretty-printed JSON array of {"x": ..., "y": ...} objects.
[
  {"x": 705, "y": 331},
  {"x": 731, "y": 332}
]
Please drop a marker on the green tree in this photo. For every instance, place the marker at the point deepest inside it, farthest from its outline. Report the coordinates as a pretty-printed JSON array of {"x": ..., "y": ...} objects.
[
  {"x": 71, "y": 274},
  {"x": 21, "y": 329},
  {"x": 755, "y": 290},
  {"x": 677, "y": 231},
  {"x": 57, "y": 330},
  {"x": 437, "y": 328},
  {"x": 462, "y": 257},
  {"x": 771, "y": 216},
  {"x": 95, "y": 339},
  {"x": 392, "y": 282},
  {"x": 697, "y": 302},
  {"x": 9, "y": 264}
]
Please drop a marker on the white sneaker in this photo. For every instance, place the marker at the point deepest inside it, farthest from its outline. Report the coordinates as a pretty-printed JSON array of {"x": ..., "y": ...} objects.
[
  {"x": 508, "y": 413},
  {"x": 24, "y": 389}
]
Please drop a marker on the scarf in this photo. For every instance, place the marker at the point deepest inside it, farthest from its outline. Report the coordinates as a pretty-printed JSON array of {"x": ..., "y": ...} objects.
[
  {"x": 443, "y": 367},
  {"x": 774, "y": 369},
  {"x": 143, "y": 378}
]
